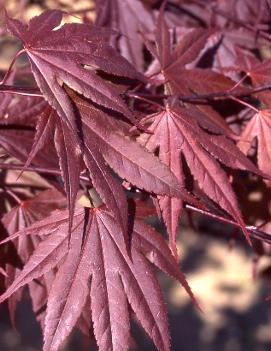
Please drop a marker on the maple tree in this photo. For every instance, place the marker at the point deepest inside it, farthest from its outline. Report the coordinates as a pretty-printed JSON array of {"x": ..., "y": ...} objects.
[{"x": 156, "y": 108}]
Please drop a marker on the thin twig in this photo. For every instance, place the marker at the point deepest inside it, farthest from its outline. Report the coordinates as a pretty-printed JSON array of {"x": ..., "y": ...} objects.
[
  {"x": 19, "y": 167},
  {"x": 207, "y": 97},
  {"x": 7, "y": 74},
  {"x": 28, "y": 91},
  {"x": 227, "y": 94},
  {"x": 13, "y": 195},
  {"x": 235, "y": 20},
  {"x": 142, "y": 98},
  {"x": 19, "y": 90},
  {"x": 254, "y": 231},
  {"x": 241, "y": 23},
  {"x": 244, "y": 103}
]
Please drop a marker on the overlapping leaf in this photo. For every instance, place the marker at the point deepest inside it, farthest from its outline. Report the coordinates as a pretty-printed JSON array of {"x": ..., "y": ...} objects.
[
  {"x": 180, "y": 79},
  {"x": 17, "y": 219},
  {"x": 175, "y": 133},
  {"x": 129, "y": 17},
  {"x": 259, "y": 72},
  {"x": 71, "y": 54},
  {"x": 91, "y": 278},
  {"x": 259, "y": 127},
  {"x": 97, "y": 264},
  {"x": 125, "y": 156},
  {"x": 21, "y": 111},
  {"x": 104, "y": 144},
  {"x": 248, "y": 11},
  {"x": 18, "y": 143}
]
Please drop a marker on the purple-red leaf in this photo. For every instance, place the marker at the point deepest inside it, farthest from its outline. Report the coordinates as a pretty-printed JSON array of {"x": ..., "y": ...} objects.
[
  {"x": 69, "y": 153},
  {"x": 126, "y": 157},
  {"x": 19, "y": 218},
  {"x": 129, "y": 17},
  {"x": 71, "y": 54},
  {"x": 97, "y": 263},
  {"x": 184, "y": 137},
  {"x": 258, "y": 127}
]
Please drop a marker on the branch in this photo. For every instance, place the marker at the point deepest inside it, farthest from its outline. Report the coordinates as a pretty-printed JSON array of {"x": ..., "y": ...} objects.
[
  {"x": 204, "y": 97},
  {"x": 142, "y": 98},
  {"x": 19, "y": 167},
  {"x": 241, "y": 23},
  {"x": 7, "y": 74},
  {"x": 225, "y": 94},
  {"x": 229, "y": 17},
  {"x": 254, "y": 231},
  {"x": 11, "y": 89},
  {"x": 27, "y": 91}
]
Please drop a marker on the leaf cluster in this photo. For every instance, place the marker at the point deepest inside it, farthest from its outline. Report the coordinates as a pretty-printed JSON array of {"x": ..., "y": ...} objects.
[{"x": 153, "y": 109}]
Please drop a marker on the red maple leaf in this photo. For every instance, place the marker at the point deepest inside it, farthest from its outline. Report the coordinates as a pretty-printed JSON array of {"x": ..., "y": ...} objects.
[
  {"x": 129, "y": 18},
  {"x": 179, "y": 78},
  {"x": 71, "y": 54},
  {"x": 175, "y": 132},
  {"x": 96, "y": 264},
  {"x": 259, "y": 127},
  {"x": 17, "y": 219}
]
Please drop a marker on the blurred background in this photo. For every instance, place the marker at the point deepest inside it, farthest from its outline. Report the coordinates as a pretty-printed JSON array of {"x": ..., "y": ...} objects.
[
  {"x": 236, "y": 315},
  {"x": 231, "y": 283}
]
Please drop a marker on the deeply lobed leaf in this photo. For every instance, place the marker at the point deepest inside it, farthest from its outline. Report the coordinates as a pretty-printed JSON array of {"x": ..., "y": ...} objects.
[{"x": 97, "y": 263}]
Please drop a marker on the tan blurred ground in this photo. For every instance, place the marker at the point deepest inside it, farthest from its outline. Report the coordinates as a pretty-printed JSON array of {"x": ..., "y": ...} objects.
[{"x": 35, "y": 8}]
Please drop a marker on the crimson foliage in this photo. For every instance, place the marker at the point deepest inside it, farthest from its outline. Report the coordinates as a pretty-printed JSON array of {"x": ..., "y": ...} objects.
[{"x": 154, "y": 104}]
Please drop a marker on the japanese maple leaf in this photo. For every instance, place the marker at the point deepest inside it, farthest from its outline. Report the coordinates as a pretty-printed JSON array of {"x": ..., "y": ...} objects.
[
  {"x": 126, "y": 157},
  {"x": 131, "y": 161},
  {"x": 104, "y": 145},
  {"x": 55, "y": 139},
  {"x": 248, "y": 11},
  {"x": 234, "y": 49},
  {"x": 259, "y": 72},
  {"x": 259, "y": 127},
  {"x": 70, "y": 162},
  {"x": 129, "y": 18},
  {"x": 5, "y": 99},
  {"x": 18, "y": 142},
  {"x": 21, "y": 111},
  {"x": 180, "y": 79},
  {"x": 68, "y": 152},
  {"x": 19, "y": 218},
  {"x": 175, "y": 133},
  {"x": 97, "y": 265},
  {"x": 71, "y": 54}
]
